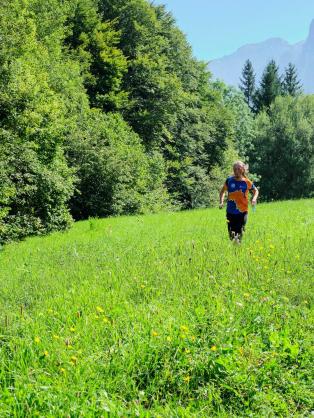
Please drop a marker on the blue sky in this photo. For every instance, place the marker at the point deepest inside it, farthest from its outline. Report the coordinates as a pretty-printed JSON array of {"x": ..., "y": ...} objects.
[{"x": 216, "y": 28}]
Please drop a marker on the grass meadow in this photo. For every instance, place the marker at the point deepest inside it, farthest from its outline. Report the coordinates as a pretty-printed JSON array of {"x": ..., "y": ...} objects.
[{"x": 161, "y": 316}]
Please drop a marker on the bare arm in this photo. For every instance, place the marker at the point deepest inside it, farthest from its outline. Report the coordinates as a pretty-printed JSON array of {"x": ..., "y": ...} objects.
[
  {"x": 255, "y": 196},
  {"x": 222, "y": 197}
]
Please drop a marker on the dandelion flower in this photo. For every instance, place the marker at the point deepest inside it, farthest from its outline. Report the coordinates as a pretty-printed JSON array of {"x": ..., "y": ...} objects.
[
  {"x": 46, "y": 354},
  {"x": 37, "y": 340},
  {"x": 168, "y": 338},
  {"x": 184, "y": 328},
  {"x": 62, "y": 370},
  {"x": 99, "y": 309},
  {"x": 154, "y": 333},
  {"x": 186, "y": 379},
  {"x": 213, "y": 348}
]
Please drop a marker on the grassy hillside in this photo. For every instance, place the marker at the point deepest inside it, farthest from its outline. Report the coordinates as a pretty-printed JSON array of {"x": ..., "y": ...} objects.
[{"x": 160, "y": 316}]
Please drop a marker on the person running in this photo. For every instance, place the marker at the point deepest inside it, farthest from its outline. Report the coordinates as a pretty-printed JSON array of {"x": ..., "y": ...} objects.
[{"x": 238, "y": 187}]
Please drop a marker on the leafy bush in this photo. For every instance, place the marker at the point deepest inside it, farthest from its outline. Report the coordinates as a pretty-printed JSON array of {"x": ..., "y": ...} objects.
[
  {"x": 115, "y": 174},
  {"x": 34, "y": 195}
]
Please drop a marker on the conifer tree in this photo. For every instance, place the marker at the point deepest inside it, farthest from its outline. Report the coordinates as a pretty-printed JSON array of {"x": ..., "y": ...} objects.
[
  {"x": 270, "y": 87},
  {"x": 248, "y": 83},
  {"x": 291, "y": 86}
]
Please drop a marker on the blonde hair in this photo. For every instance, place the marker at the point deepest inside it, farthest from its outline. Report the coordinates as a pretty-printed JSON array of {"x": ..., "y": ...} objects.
[{"x": 242, "y": 165}]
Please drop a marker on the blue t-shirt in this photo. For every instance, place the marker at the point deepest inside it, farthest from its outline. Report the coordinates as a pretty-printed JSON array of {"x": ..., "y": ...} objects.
[{"x": 238, "y": 191}]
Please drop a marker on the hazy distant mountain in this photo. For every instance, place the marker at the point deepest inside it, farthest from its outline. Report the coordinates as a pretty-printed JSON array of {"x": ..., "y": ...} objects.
[{"x": 229, "y": 68}]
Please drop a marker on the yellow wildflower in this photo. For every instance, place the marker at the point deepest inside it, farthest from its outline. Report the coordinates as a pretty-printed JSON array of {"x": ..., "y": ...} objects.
[
  {"x": 73, "y": 359},
  {"x": 186, "y": 379},
  {"x": 46, "y": 354},
  {"x": 37, "y": 340},
  {"x": 72, "y": 329},
  {"x": 99, "y": 309},
  {"x": 184, "y": 328},
  {"x": 213, "y": 348},
  {"x": 106, "y": 320},
  {"x": 168, "y": 338},
  {"x": 154, "y": 333},
  {"x": 62, "y": 370},
  {"x": 56, "y": 337}
]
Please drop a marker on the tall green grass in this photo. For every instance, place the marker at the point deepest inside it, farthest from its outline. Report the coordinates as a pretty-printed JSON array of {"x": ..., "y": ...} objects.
[{"x": 161, "y": 315}]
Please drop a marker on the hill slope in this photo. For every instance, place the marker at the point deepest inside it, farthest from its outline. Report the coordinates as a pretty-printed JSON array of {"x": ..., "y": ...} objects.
[{"x": 160, "y": 315}]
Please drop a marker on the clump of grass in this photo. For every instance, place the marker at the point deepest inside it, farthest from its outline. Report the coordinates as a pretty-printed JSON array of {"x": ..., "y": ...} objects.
[{"x": 161, "y": 316}]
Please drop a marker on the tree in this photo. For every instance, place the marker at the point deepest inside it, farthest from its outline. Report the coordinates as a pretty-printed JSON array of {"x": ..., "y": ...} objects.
[
  {"x": 283, "y": 153},
  {"x": 37, "y": 183},
  {"x": 95, "y": 44},
  {"x": 247, "y": 85},
  {"x": 115, "y": 175},
  {"x": 270, "y": 87},
  {"x": 291, "y": 86}
]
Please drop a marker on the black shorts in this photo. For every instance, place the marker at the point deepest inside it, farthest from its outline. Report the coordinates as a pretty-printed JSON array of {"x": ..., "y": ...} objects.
[{"x": 236, "y": 222}]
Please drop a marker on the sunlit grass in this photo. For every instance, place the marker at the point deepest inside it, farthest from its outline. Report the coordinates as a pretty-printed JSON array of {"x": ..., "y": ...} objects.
[{"x": 161, "y": 316}]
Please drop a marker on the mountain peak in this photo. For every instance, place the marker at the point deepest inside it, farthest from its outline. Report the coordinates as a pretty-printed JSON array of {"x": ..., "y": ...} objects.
[
  {"x": 229, "y": 68},
  {"x": 311, "y": 33}
]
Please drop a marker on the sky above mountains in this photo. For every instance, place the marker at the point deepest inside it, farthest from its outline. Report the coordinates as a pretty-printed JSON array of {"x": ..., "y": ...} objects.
[{"x": 215, "y": 28}]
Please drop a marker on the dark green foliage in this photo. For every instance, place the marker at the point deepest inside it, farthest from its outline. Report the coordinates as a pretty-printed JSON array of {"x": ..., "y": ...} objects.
[
  {"x": 283, "y": 153},
  {"x": 270, "y": 87},
  {"x": 95, "y": 44},
  {"x": 36, "y": 182},
  {"x": 116, "y": 176},
  {"x": 171, "y": 104},
  {"x": 291, "y": 86},
  {"x": 34, "y": 194},
  {"x": 247, "y": 85}
]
